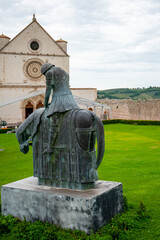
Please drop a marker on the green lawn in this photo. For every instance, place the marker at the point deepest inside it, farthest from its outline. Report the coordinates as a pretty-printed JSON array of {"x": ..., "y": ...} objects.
[
  {"x": 132, "y": 157},
  {"x": 14, "y": 165}
]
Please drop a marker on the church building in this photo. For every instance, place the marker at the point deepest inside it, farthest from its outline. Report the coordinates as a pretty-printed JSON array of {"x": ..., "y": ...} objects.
[{"x": 21, "y": 59}]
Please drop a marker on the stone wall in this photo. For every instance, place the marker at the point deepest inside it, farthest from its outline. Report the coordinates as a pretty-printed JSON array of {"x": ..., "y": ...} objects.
[{"x": 134, "y": 110}]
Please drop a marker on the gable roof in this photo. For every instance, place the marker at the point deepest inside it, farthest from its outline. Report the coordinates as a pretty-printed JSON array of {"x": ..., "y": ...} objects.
[{"x": 34, "y": 20}]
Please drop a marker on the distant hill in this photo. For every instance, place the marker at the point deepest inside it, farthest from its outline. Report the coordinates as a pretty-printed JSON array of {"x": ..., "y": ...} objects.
[{"x": 130, "y": 93}]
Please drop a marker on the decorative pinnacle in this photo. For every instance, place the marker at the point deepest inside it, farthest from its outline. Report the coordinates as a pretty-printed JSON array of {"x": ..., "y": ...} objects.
[{"x": 34, "y": 18}]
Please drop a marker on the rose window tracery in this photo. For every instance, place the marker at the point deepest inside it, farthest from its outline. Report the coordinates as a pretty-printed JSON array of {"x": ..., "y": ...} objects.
[{"x": 32, "y": 69}]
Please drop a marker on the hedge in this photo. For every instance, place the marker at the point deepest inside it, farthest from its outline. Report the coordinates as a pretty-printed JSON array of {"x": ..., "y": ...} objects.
[
  {"x": 5, "y": 130},
  {"x": 111, "y": 121},
  {"x": 136, "y": 122}
]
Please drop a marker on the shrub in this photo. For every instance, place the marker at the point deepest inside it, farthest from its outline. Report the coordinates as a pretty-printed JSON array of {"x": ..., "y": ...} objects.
[
  {"x": 125, "y": 204},
  {"x": 136, "y": 122},
  {"x": 142, "y": 212},
  {"x": 7, "y": 223},
  {"x": 5, "y": 130}
]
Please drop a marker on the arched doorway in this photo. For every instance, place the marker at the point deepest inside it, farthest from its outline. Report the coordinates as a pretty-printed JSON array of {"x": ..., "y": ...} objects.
[
  {"x": 39, "y": 105},
  {"x": 90, "y": 109},
  {"x": 105, "y": 115},
  {"x": 28, "y": 109}
]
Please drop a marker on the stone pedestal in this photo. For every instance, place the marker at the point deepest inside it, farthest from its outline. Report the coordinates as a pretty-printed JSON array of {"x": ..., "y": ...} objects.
[{"x": 83, "y": 210}]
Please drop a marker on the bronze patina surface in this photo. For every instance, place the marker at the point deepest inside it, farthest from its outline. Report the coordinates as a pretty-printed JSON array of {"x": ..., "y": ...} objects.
[{"x": 63, "y": 137}]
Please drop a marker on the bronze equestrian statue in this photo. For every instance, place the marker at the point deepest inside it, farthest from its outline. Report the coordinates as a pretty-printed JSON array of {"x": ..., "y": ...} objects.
[{"x": 63, "y": 137}]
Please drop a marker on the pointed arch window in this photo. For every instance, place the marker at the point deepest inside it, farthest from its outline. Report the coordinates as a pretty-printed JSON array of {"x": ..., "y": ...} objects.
[
  {"x": 28, "y": 109},
  {"x": 39, "y": 105}
]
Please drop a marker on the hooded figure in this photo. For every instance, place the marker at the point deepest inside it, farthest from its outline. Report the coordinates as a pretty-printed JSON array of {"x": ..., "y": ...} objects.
[
  {"x": 57, "y": 80},
  {"x": 63, "y": 137}
]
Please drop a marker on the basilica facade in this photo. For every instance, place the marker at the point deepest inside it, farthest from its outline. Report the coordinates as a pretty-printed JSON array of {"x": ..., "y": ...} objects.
[{"x": 21, "y": 59}]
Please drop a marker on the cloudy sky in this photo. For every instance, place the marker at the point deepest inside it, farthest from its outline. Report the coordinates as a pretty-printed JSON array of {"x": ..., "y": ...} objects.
[{"x": 112, "y": 43}]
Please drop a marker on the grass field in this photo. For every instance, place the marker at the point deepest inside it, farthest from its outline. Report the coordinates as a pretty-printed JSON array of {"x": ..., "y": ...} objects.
[{"x": 132, "y": 156}]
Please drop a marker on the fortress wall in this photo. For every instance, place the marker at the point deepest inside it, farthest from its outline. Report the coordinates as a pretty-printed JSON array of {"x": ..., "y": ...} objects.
[{"x": 134, "y": 110}]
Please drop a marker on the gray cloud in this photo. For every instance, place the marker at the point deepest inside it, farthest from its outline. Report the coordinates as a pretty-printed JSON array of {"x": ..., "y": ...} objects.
[{"x": 111, "y": 43}]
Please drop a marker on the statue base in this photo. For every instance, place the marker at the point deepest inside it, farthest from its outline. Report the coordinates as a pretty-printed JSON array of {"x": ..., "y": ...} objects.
[
  {"x": 83, "y": 210},
  {"x": 65, "y": 184}
]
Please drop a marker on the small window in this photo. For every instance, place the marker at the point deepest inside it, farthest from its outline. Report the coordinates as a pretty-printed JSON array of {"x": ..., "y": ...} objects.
[{"x": 34, "y": 45}]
